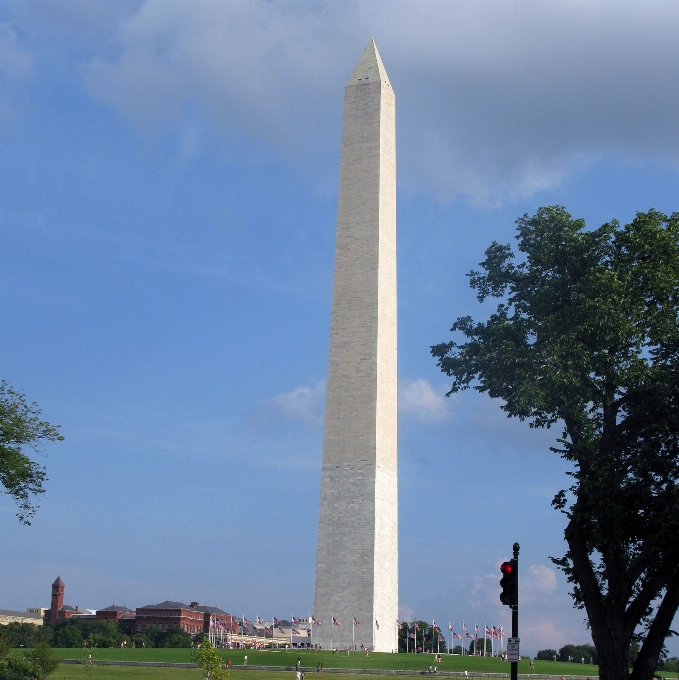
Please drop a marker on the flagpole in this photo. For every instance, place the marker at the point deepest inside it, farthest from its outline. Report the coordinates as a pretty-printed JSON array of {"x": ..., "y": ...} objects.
[
  {"x": 332, "y": 623},
  {"x": 353, "y": 630},
  {"x": 476, "y": 636}
]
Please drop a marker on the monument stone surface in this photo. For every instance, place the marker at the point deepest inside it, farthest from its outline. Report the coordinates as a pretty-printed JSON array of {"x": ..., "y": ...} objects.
[{"x": 357, "y": 554}]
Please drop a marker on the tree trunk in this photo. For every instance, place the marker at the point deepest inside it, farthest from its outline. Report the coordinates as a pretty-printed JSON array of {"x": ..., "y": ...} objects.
[
  {"x": 647, "y": 661},
  {"x": 609, "y": 632},
  {"x": 613, "y": 651}
]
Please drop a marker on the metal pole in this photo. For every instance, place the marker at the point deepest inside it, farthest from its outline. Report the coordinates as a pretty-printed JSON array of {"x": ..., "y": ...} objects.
[{"x": 515, "y": 612}]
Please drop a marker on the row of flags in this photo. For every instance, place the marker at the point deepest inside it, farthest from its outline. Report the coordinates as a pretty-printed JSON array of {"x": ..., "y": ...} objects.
[{"x": 219, "y": 625}]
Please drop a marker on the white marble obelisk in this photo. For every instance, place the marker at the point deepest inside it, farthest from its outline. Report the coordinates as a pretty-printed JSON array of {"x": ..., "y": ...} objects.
[{"x": 357, "y": 554}]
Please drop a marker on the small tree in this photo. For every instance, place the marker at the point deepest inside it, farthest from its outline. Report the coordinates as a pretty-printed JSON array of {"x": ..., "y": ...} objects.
[
  {"x": 20, "y": 426},
  {"x": 207, "y": 658},
  {"x": 89, "y": 659},
  {"x": 42, "y": 657}
]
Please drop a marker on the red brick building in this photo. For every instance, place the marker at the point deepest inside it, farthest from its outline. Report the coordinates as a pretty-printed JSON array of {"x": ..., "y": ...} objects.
[
  {"x": 58, "y": 610},
  {"x": 168, "y": 614},
  {"x": 112, "y": 613},
  {"x": 192, "y": 618}
]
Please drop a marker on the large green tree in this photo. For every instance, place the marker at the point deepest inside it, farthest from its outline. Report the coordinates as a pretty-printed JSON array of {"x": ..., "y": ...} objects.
[
  {"x": 586, "y": 336},
  {"x": 20, "y": 428}
]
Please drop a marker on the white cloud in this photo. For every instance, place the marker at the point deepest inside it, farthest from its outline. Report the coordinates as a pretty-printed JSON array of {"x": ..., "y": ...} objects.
[
  {"x": 540, "y": 579},
  {"x": 496, "y": 100},
  {"x": 303, "y": 404},
  {"x": 15, "y": 60},
  {"x": 405, "y": 613},
  {"x": 419, "y": 400}
]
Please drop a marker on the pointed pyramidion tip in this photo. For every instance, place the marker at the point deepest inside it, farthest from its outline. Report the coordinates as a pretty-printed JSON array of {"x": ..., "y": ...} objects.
[{"x": 369, "y": 67}]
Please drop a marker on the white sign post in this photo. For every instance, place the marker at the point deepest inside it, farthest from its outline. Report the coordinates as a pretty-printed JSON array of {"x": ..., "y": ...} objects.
[{"x": 513, "y": 649}]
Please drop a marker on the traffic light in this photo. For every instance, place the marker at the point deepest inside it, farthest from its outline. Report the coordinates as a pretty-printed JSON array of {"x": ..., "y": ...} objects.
[{"x": 509, "y": 582}]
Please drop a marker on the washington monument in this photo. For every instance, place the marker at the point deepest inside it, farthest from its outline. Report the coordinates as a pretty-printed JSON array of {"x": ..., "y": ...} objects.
[{"x": 357, "y": 555}]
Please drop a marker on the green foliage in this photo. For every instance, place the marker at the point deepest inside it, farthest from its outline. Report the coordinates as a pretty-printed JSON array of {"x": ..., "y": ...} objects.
[
  {"x": 578, "y": 652},
  {"x": 479, "y": 646},
  {"x": 424, "y": 635},
  {"x": 546, "y": 655},
  {"x": 587, "y": 336},
  {"x": 43, "y": 659},
  {"x": 25, "y": 635},
  {"x": 21, "y": 427},
  {"x": 670, "y": 665},
  {"x": 4, "y": 649},
  {"x": 208, "y": 659},
  {"x": 35, "y": 664}
]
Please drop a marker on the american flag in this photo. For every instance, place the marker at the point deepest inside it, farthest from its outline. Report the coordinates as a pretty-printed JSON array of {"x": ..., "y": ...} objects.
[
  {"x": 457, "y": 636},
  {"x": 450, "y": 626},
  {"x": 377, "y": 625},
  {"x": 245, "y": 622},
  {"x": 259, "y": 621},
  {"x": 469, "y": 636},
  {"x": 276, "y": 622},
  {"x": 335, "y": 622},
  {"x": 411, "y": 636},
  {"x": 440, "y": 638},
  {"x": 416, "y": 626},
  {"x": 295, "y": 621},
  {"x": 315, "y": 622},
  {"x": 280, "y": 630},
  {"x": 295, "y": 631},
  {"x": 356, "y": 623},
  {"x": 398, "y": 624},
  {"x": 464, "y": 628},
  {"x": 488, "y": 631}
]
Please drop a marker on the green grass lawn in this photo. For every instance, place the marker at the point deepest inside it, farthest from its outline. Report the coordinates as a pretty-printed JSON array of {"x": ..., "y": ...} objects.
[{"x": 415, "y": 662}]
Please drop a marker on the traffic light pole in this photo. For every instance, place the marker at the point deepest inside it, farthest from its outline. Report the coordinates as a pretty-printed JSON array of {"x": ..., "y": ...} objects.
[{"x": 515, "y": 611}]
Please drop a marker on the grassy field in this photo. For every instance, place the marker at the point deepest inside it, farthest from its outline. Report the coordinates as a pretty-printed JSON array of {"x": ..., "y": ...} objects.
[{"x": 415, "y": 662}]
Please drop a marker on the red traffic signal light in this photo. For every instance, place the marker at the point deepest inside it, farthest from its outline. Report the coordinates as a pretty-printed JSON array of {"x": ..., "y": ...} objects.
[{"x": 509, "y": 583}]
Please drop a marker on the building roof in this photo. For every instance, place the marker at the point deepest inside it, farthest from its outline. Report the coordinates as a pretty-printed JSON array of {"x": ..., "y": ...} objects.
[
  {"x": 168, "y": 604},
  {"x": 66, "y": 608},
  {"x": 208, "y": 609},
  {"x": 23, "y": 615},
  {"x": 58, "y": 582},
  {"x": 115, "y": 608}
]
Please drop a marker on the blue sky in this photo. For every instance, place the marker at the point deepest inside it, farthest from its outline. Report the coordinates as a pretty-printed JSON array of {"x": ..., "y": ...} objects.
[{"x": 168, "y": 197}]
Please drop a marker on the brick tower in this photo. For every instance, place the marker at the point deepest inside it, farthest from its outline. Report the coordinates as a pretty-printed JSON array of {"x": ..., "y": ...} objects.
[{"x": 57, "y": 598}]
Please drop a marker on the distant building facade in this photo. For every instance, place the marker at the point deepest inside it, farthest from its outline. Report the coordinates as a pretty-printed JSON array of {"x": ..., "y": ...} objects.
[
  {"x": 113, "y": 613},
  {"x": 191, "y": 618},
  {"x": 8, "y": 616}
]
